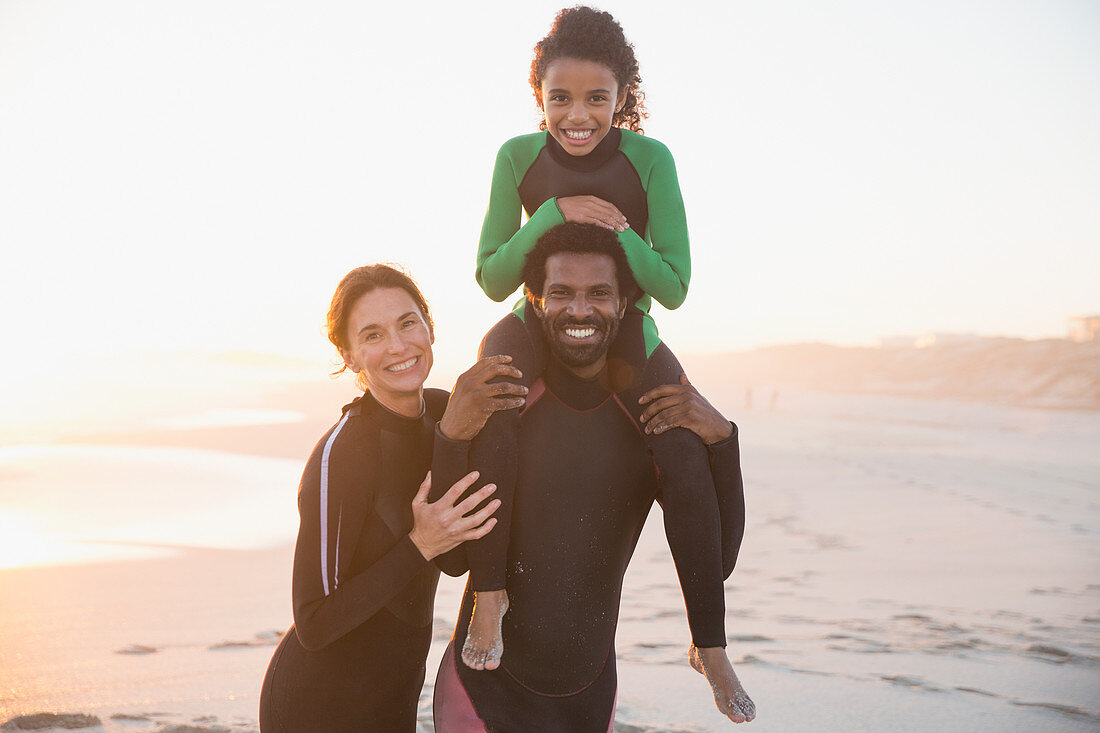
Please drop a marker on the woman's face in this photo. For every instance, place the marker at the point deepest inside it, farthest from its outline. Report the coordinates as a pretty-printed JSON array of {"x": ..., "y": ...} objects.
[
  {"x": 390, "y": 347},
  {"x": 579, "y": 99}
]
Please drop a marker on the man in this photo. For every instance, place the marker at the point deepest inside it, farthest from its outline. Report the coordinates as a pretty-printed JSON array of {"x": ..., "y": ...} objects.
[{"x": 586, "y": 484}]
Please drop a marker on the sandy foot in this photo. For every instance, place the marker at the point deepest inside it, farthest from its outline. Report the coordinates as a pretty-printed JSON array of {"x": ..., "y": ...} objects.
[
  {"x": 729, "y": 695},
  {"x": 484, "y": 642}
]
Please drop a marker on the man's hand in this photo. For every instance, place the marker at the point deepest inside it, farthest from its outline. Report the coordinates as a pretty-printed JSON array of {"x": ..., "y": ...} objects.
[
  {"x": 476, "y": 397},
  {"x": 681, "y": 406},
  {"x": 592, "y": 210}
]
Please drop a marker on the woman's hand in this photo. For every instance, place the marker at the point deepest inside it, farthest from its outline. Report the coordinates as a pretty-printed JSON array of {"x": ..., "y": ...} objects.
[
  {"x": 476, "y": 397},
  {"x": 681, "y": 406},
  {"x": 441, "y": 526},
  {"x": 592, "y": 210}
]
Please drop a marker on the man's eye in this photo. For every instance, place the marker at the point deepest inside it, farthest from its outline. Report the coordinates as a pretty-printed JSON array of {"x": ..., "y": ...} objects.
[{"x": 556, "y": 294}]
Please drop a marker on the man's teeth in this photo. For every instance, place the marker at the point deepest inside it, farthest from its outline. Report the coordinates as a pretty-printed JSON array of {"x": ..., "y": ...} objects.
[
  {"x": 580, "y": 333},
  {"x": 403, "y": 365},
  {"x": 578, "y": 134}
]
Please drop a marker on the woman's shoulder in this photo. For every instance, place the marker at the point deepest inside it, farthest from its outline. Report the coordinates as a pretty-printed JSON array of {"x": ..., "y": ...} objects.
[{"x": 435, "y": 402}]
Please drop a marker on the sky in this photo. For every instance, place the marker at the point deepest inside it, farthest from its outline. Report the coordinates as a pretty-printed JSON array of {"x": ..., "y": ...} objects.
[{"x": 197, "y": 176}]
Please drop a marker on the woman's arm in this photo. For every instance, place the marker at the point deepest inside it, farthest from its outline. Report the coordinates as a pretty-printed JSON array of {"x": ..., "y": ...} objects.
[{"x": 333, "y": 502}]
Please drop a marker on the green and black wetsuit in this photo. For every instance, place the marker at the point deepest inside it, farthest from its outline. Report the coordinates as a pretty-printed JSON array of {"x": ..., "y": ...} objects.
[{"x": 638, "y": 175}]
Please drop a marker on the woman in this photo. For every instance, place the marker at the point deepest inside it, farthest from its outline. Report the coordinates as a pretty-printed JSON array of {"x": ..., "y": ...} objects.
[{"x": 363, "y": 581}]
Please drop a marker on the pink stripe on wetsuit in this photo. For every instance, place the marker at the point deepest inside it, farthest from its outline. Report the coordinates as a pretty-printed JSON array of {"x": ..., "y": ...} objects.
[{"x": 453, "y": 709}]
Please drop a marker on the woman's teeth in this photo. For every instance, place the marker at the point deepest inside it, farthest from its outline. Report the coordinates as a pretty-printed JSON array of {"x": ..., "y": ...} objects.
[
  {"x": 580, "y": 333},
  {"x": 403, "y": 365}
]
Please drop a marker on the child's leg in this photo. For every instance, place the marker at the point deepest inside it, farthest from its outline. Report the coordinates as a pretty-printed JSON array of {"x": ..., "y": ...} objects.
[
  {"x": 632, "y": 373},
  {"x": 494, "y": 454},
  {"x": 692, "y": 517},
  {"x": 690, "y": 507}
]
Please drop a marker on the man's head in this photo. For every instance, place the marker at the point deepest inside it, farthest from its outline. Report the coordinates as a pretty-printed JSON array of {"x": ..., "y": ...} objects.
[{"x": 579, "y": 282}]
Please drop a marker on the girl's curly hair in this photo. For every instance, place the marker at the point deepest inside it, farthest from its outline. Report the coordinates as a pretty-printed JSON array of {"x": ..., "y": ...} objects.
[{"x": 593, "y": 35}]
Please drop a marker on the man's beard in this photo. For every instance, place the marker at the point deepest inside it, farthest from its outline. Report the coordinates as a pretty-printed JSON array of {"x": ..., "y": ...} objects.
[{"x": 578, "y": 355}]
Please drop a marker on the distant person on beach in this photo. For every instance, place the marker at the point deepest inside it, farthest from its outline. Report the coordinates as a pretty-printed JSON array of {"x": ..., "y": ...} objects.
[
  {"x": 591, "y": 164},
  {"x": 363, "y": 580},
  {"x": 586, "y": 484}
]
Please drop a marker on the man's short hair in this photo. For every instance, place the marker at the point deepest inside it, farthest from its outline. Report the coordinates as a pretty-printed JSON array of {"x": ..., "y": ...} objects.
[{"x": 582, "y": 239}]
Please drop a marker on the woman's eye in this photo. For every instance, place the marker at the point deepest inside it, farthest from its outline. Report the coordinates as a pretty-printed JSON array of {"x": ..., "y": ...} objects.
[
  {"x": 408, "y": 324},
  {"x": 371, "y": 337}
]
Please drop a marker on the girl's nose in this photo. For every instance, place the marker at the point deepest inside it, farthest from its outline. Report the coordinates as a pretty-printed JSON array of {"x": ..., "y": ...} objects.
[{"x": 578, "y": 112}]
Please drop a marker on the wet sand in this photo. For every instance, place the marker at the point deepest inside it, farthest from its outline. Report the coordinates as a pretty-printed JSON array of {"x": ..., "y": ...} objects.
[{"x": 907, "y": 566}]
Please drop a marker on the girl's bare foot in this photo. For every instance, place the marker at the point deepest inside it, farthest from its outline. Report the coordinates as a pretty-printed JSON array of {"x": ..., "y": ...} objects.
[
  {"x": 729, "y": 695},
  {"x": 484, "y": 643}
]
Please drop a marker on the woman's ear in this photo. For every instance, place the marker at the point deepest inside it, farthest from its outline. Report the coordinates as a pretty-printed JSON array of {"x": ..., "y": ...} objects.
[{"x": 349, "y": 360}]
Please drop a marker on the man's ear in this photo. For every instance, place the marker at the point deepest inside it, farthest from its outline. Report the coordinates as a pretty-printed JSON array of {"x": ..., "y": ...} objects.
[
  {"x": 535, "y": 301},
  {"x": 623, "y": 305}
]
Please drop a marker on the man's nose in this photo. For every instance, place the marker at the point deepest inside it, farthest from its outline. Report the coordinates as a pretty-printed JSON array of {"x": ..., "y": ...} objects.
[{"x": 579, "y": 307}]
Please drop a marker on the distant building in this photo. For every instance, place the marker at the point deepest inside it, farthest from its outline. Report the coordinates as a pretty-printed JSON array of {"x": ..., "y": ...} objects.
[
  {"x": 942, "y": 339},
  {"x": 1083, "y": 328},
  {"x": 897, "y": 342}
]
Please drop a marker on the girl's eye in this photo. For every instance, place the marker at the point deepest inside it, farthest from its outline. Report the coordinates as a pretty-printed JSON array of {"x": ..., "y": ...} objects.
[
  {"x": 559, "y": 98},
  {"x": 598, "y": 98}
]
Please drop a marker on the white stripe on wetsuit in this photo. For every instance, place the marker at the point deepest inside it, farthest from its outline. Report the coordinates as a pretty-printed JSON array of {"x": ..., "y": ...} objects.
[{"x": 324, "y": 506}]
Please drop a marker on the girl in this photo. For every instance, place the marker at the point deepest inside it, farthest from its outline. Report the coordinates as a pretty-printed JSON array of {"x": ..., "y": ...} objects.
[{"x": 592, "y": 165}]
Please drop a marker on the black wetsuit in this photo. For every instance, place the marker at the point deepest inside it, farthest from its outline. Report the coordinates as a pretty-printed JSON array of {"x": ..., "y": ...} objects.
[
  {"x": 363, "y": 594},
  {"x": 586, "y": 484}
]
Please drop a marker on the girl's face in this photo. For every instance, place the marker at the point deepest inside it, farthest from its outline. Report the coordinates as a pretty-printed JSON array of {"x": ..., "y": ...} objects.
[
  {"x": 391, "y": 347},
  {"x": 579, "y": 99}
]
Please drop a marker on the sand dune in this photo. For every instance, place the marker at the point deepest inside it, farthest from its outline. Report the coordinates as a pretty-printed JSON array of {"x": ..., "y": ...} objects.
[{"x": 1008, "y": 371}]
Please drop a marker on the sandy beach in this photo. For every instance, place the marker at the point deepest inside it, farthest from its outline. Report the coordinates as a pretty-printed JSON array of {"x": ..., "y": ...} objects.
[{"x": 908, "y": 565}]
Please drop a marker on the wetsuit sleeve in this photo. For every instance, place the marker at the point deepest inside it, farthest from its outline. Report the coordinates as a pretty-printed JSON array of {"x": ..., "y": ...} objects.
[
  {"x": 725, "y": 466},
  {"x": 504, "y": 243},
  {"x": 661, "y": 266},
  {"x": 334, "y": 499},
  {"x": 449, "y": 463}
]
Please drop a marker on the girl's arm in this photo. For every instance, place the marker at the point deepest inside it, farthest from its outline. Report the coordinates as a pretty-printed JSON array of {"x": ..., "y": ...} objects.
[
  {"x": 662, "y": 270},
  {"x": 504, "y": 243}
]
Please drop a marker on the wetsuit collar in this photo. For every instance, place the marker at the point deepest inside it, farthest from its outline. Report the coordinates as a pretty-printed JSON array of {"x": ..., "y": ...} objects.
[
  {"x": 577, "y": 393},
  {"x": 366, "y": 404},
  {"x": 594, "y": 160}
]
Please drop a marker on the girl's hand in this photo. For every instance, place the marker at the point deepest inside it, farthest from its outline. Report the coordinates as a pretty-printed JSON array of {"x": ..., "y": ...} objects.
[
  {"x": 681, "y": 406},
  {"x": 592, "y": 210},
  {"x": 476, "y": 396},
  {"x": 441, "y": 526}
]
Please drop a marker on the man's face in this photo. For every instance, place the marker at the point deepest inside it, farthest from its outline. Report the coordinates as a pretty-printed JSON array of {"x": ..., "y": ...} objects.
[{"x": 580, "y": 310}]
